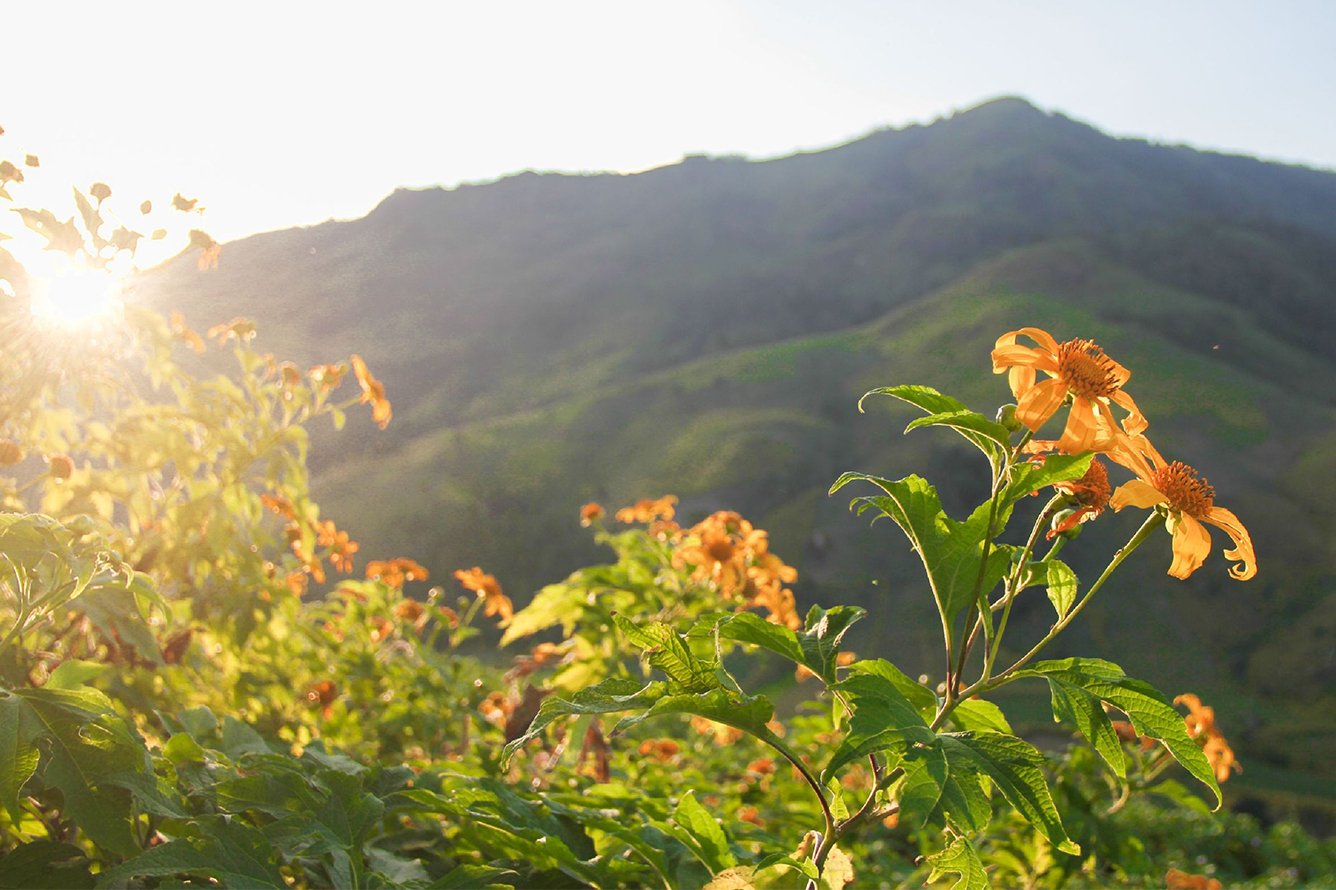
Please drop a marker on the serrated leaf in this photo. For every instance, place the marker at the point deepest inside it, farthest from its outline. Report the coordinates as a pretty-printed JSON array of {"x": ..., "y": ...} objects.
[
  {"x": 816, "y": 648},
  {"x": 1061, "y": 586},
  {"x": 471, "y": 877},
  {"x": 960, "y": 859},
  {"x": 977, "y": 714},
  {"x": 1030, "y": 477},
  {"x": 963, "y": 805},
  {"x": 233, "y": 853},
  {"x": 925, "y": 780},
  {"x": 1016, "y": 768},
  {"x": 1146, "y": 707},
  {"x": 664, "y": 649},
  {"x": 702, "y": 834},
  {"x": 992, "y": 443},
  {"x": 838, "y": 870},
  {"x": 1077, "y": 707},
  {"x": 610, "y": 696},
  {"x": 951, "y": 551},
  {"x": 748, "y": 713},
  {"x": 45, "y": 865},
  {"x": 18, "y": 757}
]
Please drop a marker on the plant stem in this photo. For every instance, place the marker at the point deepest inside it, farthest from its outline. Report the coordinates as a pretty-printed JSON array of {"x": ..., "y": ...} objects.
[
  {"x": 1153, "y": 522},
  {"x": 1014, "y": 582}
]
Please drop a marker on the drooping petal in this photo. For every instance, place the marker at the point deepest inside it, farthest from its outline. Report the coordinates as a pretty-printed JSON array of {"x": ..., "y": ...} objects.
[
  {"x": 1137, "y": 493},
  {"x": 1192, "y": 543},
  {"x": 1135, "y": 422},
  {"x": 1039, "y": 404},
  {"x": 1137, "y": 454},
  {"x": 1243, "y": 546},
  {"x": 1020, "y": 379},
  {"x": 1026, "y": 356},
  {"x": 1038, "y": 335},
  {"x": 1083, "y": 428}
]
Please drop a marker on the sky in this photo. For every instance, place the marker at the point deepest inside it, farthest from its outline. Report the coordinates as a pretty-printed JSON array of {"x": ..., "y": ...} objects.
[{"x": 286, "y": 113}]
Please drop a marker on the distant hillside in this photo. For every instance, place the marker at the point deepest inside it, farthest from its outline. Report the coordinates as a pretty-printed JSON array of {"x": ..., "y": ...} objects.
[{"x": 706, "y": 329}]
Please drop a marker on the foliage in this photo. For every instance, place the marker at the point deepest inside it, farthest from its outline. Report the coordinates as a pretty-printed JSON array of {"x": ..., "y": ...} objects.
[{"x": 196, "y": 690}]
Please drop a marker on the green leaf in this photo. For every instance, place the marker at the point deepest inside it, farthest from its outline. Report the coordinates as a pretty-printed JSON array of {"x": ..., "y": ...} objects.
[
  {"x": 1016, "y": 768},
  {"x": 1030, "y": 477},
  {"x": 1061, "y": 587},
  {"x": 232, "y": 853},
  {"x": 963, "y": 805},
  {"x": 472, "y": 877},
  {"x": 883, "y": 718},
  {"x": 1146, "y": 707},
  {"x": 989, "y": 437},
  {"x": 45, "y": 865},
  {"x": 951, "y": 551},
  {"x": 18, "y": 757},
  {"x": 816, "y": 648},
  {"x": 924, "y": 783},
  {"x": 976, "y": 714},
  {"x": 73, "y": 673},
  {"x": 702, "y": 834},
  {"x": 610, "y": 696},
  {"x": 960, "y": 859},
  {"x": 664, "y": 649},
  {"x": 747, "y": 713},
  {"x": 1077, "y": 707},
  {"x": 89, "y": 743}
]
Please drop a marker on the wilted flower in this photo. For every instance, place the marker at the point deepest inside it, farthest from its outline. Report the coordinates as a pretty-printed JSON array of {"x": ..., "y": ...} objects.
[{"x": 1090, "y": 493}]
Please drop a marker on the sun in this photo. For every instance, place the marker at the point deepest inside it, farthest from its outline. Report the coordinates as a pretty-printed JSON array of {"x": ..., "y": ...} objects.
[{"x": 77, "y": 297}]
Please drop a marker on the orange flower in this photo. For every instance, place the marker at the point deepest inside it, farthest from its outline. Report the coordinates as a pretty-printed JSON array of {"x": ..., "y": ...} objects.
[
  {"x": 1091, "y": 495},
  {"x": 10, "y": 452},
  {"x": 327, "y": 377},
  {"x": 649, "y": 510},
  {"x": 181, "y": 331},
  {"x": 662, "y": 750},
  {"x": 59, "y": 466},
  {"x": 1200, "y": 724},
  {"x": 1189, "y": 501},
  {"x": 279, "y": 505},
  {"x": 1076, "y": 368},
  {"x": 373, "y": 393},
  {"x": 396, "y": 571},
  {"x": 239, "y": 329},
  {"x": 486, "y": 586},
  {"x": 1174, "y": 879},
  {"x": 591, "y": 513}
]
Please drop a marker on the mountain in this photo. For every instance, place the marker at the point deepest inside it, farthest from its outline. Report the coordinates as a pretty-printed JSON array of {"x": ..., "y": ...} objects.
[{"x": 706, "y": 329}]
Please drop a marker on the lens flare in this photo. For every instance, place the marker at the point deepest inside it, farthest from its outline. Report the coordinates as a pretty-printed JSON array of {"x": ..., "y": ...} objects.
[{"x": 76, "y": 297}]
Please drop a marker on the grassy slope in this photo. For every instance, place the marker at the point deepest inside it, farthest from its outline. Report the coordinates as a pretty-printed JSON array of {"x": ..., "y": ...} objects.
[{"x": 765, "y": 430}]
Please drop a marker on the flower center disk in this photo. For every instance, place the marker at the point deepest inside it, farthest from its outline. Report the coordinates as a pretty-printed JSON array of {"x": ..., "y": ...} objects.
[
  {"x": 1086, "y": 370},
  {"x": 1186, "y": 490}
]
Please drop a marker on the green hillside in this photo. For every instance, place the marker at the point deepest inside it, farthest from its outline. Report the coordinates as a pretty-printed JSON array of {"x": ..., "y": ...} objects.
[{"x": 706, "y": 329}]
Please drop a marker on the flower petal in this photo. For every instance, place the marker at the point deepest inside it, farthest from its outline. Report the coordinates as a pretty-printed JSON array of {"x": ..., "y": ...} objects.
[
  {"x": 1039, "y": 404},
  {"x": 1135, "y": 422},
  {"x": 1243, "y": 546},
  {"x": 1082, "y": 430},
  {"x": 1020, "y": 379},
  {"x": 1192, "y": 543},
  {"x": 1137, "y": 494},
  {"x": 1038, "y": 335}
]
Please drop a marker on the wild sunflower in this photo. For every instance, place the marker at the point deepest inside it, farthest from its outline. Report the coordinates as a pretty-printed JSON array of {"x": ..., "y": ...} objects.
[
  {"x": 1076, "y": 368},
  {"x": 1190, "y": 501}
]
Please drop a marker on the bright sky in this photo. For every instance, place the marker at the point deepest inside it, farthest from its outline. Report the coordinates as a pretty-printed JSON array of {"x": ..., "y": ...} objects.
[{"x": 288, "y": 113}]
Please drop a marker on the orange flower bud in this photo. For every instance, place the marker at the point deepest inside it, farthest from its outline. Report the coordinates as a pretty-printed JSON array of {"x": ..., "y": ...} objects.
[
  {"x": 10, "y": 452},
  {"x": 59, "y": 466}
]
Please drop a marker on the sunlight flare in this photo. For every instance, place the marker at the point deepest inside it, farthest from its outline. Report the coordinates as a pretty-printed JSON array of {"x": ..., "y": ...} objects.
[{"x": 76, "y": 297}]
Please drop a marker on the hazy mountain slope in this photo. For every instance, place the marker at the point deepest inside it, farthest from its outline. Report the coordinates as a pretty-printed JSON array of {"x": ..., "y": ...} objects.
[{"x": 707, "y": 328}]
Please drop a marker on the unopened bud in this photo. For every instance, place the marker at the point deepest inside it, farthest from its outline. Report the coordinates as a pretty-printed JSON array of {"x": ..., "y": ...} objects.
[
  {"x": 1006, "y": 415},
  {"x": 1066, "y": 524}
]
